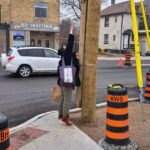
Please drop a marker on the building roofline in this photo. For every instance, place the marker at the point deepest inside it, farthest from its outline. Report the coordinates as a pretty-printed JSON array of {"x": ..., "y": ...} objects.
[{"x": 120, "y": 8}]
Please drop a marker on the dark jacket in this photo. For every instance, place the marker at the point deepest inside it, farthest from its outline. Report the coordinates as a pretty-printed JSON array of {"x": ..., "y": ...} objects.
[{"x": 68, "y": 56}]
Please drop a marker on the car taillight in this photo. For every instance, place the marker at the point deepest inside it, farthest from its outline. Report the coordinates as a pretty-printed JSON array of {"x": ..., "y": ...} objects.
[{"x": 10, "y": 58}]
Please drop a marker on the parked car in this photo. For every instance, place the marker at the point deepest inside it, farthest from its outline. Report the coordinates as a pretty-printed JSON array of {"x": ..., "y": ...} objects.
[{"x": 27, "y": 60}]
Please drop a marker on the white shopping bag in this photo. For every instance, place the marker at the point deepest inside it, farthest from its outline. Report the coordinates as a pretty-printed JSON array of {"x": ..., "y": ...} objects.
[{"x": 68, "y": 75}]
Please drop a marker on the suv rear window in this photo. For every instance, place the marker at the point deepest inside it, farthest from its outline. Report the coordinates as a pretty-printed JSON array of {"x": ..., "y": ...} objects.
[
  {"x": 23, "y": 52},
  {"x": 36, "y": 53},
  {"x": 31, "y": 52}
]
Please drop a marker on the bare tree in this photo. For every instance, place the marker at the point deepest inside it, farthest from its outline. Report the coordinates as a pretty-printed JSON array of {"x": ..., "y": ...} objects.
[
  {"x": 72, "y": 8},
  {"x": 64, "y": 31}
]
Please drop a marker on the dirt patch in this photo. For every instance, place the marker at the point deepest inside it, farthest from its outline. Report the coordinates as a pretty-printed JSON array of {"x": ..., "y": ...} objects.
[{"x": 96, "y": 130}]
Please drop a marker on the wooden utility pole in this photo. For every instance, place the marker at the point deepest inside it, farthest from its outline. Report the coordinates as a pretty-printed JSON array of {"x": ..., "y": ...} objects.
[
  {"x": 89, "y": 40},
  {"x": 81, "y": 50}
]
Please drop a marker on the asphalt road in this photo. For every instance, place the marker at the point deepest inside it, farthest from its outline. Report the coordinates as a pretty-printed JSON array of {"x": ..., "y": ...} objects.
[{"x": 21, "y": 99}]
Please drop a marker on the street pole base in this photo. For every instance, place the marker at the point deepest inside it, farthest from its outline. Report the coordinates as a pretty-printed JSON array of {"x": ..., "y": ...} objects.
[
  {"x": 146, "y": 101},
  {"x": 129, "y": 65},
  {"x": 131, "y": 146}
]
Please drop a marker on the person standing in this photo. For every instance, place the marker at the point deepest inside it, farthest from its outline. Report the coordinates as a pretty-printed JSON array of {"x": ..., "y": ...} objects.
[{"x": 68, "y": 56}]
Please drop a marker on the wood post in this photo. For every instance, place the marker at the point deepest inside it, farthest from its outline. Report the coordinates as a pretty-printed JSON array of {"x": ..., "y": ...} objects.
[
  {"x": 90, "y": 49},
  {"x": 81, "y": 51}
]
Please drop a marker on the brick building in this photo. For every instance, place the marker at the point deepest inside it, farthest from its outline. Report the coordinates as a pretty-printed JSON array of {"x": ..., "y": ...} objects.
[{"x": 30, "y": 22}]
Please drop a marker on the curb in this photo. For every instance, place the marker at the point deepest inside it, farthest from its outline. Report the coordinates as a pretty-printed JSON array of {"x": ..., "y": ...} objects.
[
  {"x": 123, "y": 58},
  {"x": 21, "y": 126}
]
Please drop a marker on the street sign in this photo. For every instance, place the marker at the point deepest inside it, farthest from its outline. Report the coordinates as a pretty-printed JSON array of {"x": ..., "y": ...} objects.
[{"x": 35, "y": 27}]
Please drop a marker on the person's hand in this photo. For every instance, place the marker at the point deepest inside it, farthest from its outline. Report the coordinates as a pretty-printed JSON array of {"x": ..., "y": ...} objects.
[{"x": 71, "y": 30}]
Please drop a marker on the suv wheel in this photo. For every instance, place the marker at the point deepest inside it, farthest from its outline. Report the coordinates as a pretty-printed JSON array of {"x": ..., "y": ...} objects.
[{"x": 24, "y": 71}]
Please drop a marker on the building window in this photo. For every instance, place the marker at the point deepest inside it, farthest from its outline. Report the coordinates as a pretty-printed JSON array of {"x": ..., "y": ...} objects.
[
  {"x": 126, "y": 41},
  {"x": 39, "y": 43},
  {"x": 32, "y": 42},
  {"x": 106, "y": 36},
  {"x": 106, "y": 21},
  {"x": 112, "y": 2},
  {"x": 41, "y": 9},
  {"x": 47, "y": 43},
  {"x": 116, "y": 18},
  {"x": 114, "y": 37}
]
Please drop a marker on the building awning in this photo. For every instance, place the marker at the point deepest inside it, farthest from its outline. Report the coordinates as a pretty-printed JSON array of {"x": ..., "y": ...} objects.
[{"x": 128, "y": 32}]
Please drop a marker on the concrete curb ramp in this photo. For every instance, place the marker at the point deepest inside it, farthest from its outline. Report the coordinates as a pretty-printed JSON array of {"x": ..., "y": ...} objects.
[
  {"x": 57, "y": 136},
  {"x": 53, "y": 134}
]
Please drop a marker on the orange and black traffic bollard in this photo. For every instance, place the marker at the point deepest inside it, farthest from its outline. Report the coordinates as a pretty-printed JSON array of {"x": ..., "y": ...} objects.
[
  {"x": 117, "y": 130},
  {"x": 4, "y": 133},
  {"x": 117, "y": 127},
  {"x": 147, "y": 89},
  {"x": 127, "y": 59}
]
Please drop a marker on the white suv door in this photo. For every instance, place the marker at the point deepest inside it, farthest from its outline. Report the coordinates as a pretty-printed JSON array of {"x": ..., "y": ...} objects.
[
  {"x": 52, "y": 60},
  {"x": 37, "y": 59}
]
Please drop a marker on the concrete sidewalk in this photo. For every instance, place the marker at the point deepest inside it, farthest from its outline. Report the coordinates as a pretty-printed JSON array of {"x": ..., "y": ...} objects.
[
  {"x": 115, "y": 57},
  {"x": 48, "y": 133},
  {"x": 110, "y": 58}
]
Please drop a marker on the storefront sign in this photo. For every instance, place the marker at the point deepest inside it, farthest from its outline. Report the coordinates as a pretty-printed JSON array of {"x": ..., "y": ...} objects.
[{"x": 35, "y": 27}]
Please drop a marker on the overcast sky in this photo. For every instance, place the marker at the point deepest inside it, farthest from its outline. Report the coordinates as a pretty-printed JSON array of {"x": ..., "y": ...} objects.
[
  {"x": 118, "y": 1},
  {"x": 64, "y": 13}
]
